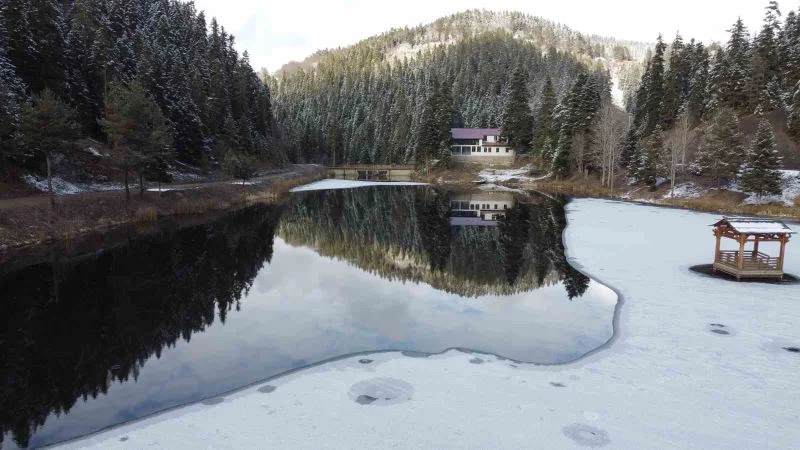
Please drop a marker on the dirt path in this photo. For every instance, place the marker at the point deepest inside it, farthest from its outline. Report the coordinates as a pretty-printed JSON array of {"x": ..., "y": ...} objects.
[{"x": 42, "y": 199}]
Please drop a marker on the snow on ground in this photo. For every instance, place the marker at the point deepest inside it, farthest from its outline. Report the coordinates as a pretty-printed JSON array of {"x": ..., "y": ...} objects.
[
  {"x": 504, "y": 175},
  {"x": 60, "y": 186},
  {"x": 94, "y": 152},
  {"x": 790, "y": 183},
  {"x": 349, "y": 184},
  {"x": 697, "y": 363},
  {"x": 686, "y": 190},
  {"x": 617, "y": 94}
]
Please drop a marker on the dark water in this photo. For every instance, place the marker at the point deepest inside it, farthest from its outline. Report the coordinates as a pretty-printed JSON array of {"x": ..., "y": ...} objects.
[{"x": 101, "y": 338}]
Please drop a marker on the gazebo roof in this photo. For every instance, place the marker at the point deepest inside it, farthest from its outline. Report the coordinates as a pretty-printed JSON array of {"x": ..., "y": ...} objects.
[{"x": 754, "y": 225}]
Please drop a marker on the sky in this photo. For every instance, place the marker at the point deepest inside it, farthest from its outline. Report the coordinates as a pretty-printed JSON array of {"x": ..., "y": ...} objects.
[{"x": 276, "y": 32}]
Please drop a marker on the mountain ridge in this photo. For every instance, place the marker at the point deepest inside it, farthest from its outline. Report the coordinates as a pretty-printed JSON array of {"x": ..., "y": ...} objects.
[{"x": 447, "y": 30}]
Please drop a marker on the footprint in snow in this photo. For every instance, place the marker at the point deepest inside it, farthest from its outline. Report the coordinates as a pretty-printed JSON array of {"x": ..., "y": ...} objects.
[
  {"x": 381, "y": 392},
  {"x": 586, "y": 436},
  {"x": 267, "y": 389},
  {"x": 477, "y": 361},
  {"x": 718, "y": 328}
]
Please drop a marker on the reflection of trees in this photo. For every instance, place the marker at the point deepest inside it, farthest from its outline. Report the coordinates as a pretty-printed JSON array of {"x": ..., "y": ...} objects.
[
  {"x": 405, "y": 234},
  {"x": 73, "y": 328},
  {"x": 433, "y": 223}
]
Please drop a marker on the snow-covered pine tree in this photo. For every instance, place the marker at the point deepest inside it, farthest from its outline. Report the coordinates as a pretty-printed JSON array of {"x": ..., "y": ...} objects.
[
  {"x": 543, "y": 124},
  {"x": 794, "y": 114},
  {"x": 763, "y": 83},
  {"x": 653, "y": 105},
  {"x": 721, "y": 152},
  {"x": 699, "y": 99},
  {"x": 760, "y": 174},
  {"x": 12, "y": 96},
  {"x": 789, "y": 51},
  {"x": 676, "y": 80},
  {"x": 517, "y": 125},
  {"x": 732, "y": 81},
  {"x": 650, "y": 164}
]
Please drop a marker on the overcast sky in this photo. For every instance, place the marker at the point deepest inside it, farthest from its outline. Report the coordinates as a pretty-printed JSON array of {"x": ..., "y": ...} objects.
[{"x": 276, "y": 32}]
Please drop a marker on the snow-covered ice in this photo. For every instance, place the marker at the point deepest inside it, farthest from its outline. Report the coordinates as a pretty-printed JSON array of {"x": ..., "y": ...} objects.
[
  {"x": 349, "y": 184},
  {"x": 697, "y": 362}
]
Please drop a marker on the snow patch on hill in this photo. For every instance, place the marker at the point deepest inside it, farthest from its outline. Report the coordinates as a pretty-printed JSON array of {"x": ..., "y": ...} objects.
[{"x": 790, "y": 181}]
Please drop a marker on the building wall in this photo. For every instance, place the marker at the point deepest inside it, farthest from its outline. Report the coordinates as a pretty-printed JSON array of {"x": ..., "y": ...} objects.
[{"x": 486, "y": 158}]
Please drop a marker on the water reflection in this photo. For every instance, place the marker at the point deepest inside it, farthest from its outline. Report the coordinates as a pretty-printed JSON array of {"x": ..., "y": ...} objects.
[{"x": 92, "y": 341}]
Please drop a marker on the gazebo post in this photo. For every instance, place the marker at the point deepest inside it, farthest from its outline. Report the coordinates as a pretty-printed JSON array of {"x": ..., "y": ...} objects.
[
  {"x": 740, "y": 262},
  {"x": 755, "y": 248},
  {"x": 784, "y": 239},
  {"x": 718, "y": 234}
]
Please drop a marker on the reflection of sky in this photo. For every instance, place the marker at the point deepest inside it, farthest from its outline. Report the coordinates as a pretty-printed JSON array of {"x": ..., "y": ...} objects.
[{"x": 305, "y": 308}]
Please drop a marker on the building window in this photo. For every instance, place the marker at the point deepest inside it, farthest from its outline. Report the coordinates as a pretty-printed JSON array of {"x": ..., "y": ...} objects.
[
  {"x": 495, "y": 206},
  {"x": 506, "y": 150},
  {"x": 497, "y": 151}
]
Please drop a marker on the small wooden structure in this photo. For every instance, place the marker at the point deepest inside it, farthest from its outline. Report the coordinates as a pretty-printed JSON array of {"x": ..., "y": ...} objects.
[{"x": 750, "y": 263}]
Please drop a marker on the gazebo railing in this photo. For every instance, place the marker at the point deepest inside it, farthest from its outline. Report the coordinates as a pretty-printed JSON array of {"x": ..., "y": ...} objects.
[{"x": 751, "y": 261}]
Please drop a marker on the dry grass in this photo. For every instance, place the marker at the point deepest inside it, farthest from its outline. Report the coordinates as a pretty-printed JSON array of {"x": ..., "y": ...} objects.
[
  {"x": 145, "y": 214},
  {"x": 717, "y": 201},
  {"x": 28, "y": 222}
]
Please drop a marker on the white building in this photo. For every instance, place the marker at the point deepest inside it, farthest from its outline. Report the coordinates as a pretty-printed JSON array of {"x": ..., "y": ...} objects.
[{"x": 480, "y": 145}]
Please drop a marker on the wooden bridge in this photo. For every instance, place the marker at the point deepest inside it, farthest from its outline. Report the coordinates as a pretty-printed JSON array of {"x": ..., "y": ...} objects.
[{"x": 373, "y": 172}]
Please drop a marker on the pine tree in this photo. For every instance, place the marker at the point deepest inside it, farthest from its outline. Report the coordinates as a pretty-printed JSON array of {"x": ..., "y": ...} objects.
[
  {"x": 760, "y": 174},
  {"x": 794, "y": 114},
  {"x": 434, "y": 134},
  {"x": 240, "y": 166},
  {"x": 764, "y": 85},
  {"x": 789, "y": 51},
  {"x": 699, "y": 98},
  {"x": 543, "y": 125},
  {"x": 676, "y": 82},
  {"x": 734, "y": 71},
  {"x": 648, "y": 163},
  {"x": 721, "y": 152},
  {"x": 654, "y": 102},
  {"x": 47, "y": 128},
  {"x": 135, "y": 125},
  {"x": 517, "y": 126},
  {"x": 12, "y": 96},
  {"x": 630, "y": 149}
]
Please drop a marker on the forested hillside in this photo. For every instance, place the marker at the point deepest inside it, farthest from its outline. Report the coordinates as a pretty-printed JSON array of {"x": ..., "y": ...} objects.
[
  {"x": 65, "y": 58},
  {"x": 367, "y": 103},
  {"x": 721, "y": 112}
]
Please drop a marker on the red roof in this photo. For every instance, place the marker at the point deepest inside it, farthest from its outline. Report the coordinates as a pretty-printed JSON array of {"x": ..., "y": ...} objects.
[{"x": 474, "y": 133}]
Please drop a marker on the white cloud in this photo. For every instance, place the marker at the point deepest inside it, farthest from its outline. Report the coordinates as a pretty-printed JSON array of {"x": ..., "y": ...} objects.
[{"x": 277, "y": 32}]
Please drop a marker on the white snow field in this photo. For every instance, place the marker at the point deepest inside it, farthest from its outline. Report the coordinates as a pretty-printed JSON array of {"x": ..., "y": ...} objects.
[
  {"x": 349, "y": 184},
  {"x": 697, "y": 363}
]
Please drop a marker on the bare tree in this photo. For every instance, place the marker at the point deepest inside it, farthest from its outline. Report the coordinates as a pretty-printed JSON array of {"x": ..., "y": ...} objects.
[
  {"x": 676, "y": 145},
  {"x": 611, "y": 124}
]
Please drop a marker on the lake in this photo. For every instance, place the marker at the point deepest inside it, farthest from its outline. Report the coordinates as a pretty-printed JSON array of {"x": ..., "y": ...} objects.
[{"x": 96, "y": 338}]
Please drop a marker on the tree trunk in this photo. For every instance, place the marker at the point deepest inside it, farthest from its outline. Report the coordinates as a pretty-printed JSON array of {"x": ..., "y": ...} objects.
[{"x": 141, "y": 185}]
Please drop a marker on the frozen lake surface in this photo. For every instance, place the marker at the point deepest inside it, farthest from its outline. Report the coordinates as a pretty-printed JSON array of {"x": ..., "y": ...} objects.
[
  {"x": 98, "y": 339},
  {"x": 697, "y": 363}
]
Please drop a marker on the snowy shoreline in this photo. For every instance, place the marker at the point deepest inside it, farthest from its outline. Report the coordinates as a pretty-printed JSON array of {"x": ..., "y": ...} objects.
[{"x": 694, "y": 362}]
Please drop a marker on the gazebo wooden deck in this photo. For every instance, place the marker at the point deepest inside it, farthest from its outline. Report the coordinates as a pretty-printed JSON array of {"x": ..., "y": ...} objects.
[{"x": 752, "y": 263}]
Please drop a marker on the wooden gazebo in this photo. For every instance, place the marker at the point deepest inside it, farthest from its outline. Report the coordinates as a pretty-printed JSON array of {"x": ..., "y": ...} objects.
[{"x": 750, "y": 263}]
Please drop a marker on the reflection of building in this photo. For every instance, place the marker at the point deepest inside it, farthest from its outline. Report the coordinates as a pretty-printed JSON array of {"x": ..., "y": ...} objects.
[
  {"x": 481, "y": 209},
  {"x": 480, "y": 145}
]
